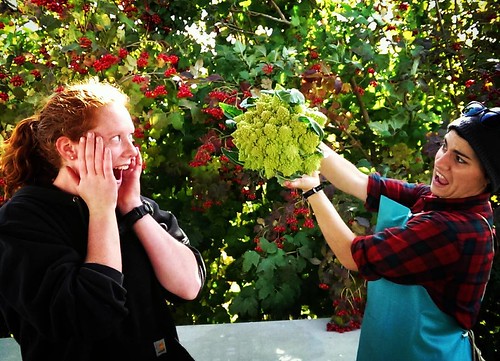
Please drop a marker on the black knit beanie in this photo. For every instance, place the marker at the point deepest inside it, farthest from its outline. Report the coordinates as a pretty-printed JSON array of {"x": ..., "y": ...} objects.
[{"x": 482, "y": 132}]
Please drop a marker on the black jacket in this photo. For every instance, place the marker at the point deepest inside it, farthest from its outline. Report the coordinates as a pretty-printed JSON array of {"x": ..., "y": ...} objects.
[{"x": 60, "y": 308}]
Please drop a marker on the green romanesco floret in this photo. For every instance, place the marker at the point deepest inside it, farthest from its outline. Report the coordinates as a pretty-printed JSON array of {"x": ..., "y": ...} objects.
[
  {"x": 266, "y": 115},
  {"x": 308, "y": 142},
  {"x": 282, "y": 113}
]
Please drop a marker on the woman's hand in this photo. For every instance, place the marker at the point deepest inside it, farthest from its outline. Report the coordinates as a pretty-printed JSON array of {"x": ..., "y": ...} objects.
[
  {"x": 96, "y": 184},
  {"x": 129, "y": 193},
  {"x": 305, "y": 182}
]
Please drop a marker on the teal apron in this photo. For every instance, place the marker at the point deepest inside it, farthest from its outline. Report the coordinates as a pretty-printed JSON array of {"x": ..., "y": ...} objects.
[{"x": 401, "y": 322}]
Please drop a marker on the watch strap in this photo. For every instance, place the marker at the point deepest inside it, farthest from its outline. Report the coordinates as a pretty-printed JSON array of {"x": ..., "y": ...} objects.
[
  {"x": 312, "y": 191},
  {"x": 129, "y": 219}
]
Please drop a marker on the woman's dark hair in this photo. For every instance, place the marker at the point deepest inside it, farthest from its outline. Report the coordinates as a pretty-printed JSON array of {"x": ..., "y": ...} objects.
[{"x": 30, "y": 156}]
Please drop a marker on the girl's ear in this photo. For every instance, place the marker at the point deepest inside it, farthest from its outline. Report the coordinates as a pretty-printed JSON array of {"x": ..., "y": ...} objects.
[{"x": 66, "y": 148}]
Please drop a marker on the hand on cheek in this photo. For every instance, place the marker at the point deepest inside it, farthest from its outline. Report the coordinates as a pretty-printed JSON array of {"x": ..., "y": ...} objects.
[{"x": 97, "y": 184}]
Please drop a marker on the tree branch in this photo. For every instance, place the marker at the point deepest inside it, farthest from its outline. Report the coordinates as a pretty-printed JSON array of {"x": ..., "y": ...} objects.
[
  {"x": 254, "y": 13},
  {"x": 361, "y": 103},
  {"x": 282, "y": 16}
]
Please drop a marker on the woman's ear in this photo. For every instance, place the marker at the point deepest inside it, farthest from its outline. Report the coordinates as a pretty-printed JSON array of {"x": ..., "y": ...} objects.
[{"x": 66, "y": 148}]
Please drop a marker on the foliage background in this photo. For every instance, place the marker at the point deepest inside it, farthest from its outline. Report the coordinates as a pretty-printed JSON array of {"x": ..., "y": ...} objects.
[{"x": 389, "y": 74}]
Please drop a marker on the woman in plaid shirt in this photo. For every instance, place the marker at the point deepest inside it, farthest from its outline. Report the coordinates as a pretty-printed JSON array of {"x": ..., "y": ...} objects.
[{"x": 428, "y": 271}]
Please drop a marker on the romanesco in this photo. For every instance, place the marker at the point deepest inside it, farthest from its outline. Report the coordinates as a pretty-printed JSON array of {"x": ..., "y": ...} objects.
[{"x": 278, "y": 137}]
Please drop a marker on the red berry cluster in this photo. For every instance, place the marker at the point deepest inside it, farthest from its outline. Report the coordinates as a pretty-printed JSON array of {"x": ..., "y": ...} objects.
[
  {"x": 348, "y": 326},
  {"x": 19, "y": 60},
  {"x": 170, "y": 59},
  {"x": 484, "y": 85},
  {"x": 159, "y": 91},
  {"x": 128, "y": 7},
  {"x": 57, "y": 6},
  {"x": 143, "y": 60},
  {"x": 215, "y": 113},
  {"x": 122, "y": 53},
  {"x": 221, "y": 96},
  {"x": 232, "y": 179},
  {"x": 203, "y": 155},
  {"x": 348, "y": 313},
  {"x": 287, "y": 218},
  {"x": 268, "y": 69},
  {"x": 184, "y": 91},
  {"x": 139, "y": 79},
  {"x": 17, "y": 80},
  {"x": 85, "y": 43},
  {"x": 106, "y": 62}
]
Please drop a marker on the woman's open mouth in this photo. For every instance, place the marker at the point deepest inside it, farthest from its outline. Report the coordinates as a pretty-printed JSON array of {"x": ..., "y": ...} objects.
[
  {"x": 440, "y": 179},
  {"x": 118, "y": 171}
]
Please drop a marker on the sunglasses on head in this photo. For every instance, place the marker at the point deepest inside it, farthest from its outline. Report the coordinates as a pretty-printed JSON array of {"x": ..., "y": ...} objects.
[{"x": 488, "y": 117}]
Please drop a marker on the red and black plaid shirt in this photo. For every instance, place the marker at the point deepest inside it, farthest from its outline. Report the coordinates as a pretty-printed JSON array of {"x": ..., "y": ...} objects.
[{"x": 446, "y": 246}]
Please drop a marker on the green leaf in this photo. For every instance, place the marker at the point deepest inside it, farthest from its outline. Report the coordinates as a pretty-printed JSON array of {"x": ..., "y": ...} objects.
[
  {"x": 248, "y": 102},
  {"x": 244, "y": 75},
  {"x": 232, "y": 155},
  {"x": 123, "y": 19},
  {"x": 268, "y": 247},
  {"x": 239, "y": 47},
  {"x": 230, "y": 111},
  {"x": 296, "y": 20},
  {"x": 158, "y": 120},
  {"x": 265, "y": 288},
  {"x": 380, "y": 127},
  {"x": 194, "y": 109},
  {"x": 267, "y": 265},
  {"x": 176, "y": 119},
  {"x": 313, "y": 125},
  {"x": 231, "y": 124},
  {"x": 290, "y": 96},
  {"x": 305, "y": 252},
  {"x": 250, "y": 258},
  {"x": 245, "y": 302}
]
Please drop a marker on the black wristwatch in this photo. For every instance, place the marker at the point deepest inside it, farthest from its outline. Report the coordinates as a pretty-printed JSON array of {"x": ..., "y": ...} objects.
[{"x": 137, "y": 213}]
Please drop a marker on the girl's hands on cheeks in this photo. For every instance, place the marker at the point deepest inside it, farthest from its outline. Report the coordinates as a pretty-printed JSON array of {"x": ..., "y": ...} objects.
[
  {"x": 129, "y": 194},
  {"x": 97, "y": 185}
]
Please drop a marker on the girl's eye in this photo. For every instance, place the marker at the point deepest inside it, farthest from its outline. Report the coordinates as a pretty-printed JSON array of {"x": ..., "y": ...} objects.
[
  {"x": 116, "y": 138},
  {"x": 460, "y": 160}
]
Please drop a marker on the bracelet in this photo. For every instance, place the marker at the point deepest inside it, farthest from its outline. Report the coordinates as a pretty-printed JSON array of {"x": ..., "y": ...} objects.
[{"x": 312, "y": 191}]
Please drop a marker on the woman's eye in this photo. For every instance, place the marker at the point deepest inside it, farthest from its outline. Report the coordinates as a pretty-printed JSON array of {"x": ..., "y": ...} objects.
[{"x": 116, "y": 138}]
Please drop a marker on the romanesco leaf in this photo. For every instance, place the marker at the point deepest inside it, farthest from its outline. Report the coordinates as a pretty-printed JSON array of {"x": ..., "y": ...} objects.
[
  {"x": 248, "y": 102},
  {"x": 230, "y": 123},
  {"x": 230, "y": 111},
  {"x": 315, "y": 126},
  {"x": 232, "y": 155},
  {"x": 288, "y": 96}
]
